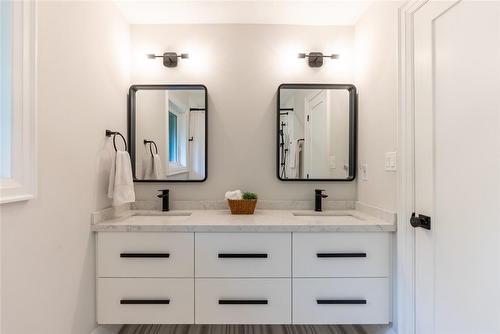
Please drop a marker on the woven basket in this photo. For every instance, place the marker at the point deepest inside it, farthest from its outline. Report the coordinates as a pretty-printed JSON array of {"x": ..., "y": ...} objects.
[{"x": 242, "y": 206}]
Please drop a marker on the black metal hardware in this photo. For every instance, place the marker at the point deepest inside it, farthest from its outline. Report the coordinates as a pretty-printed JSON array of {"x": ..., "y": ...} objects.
[
  {"x": 316, "y": 58},
  {"x": 242, "y": 255},
  {"x": 341, "y": 255},
  {"x": 243, "y": 302},
  {"x": 165, "y": 194},
  {"x": 151, "y": 142},
  {"x": 318, "y": 197},
  {"x": 132, "y": 118},
  {"x": 169, "y": 58},
  {"x": 420, "y": 221},
  {"x": 145, "y": 301},
  {"x": 341, "y": 301},
  {"x": 145, "y": 255},
  {"x": 353, "y": 111},
  {"x": 283, "y": 150},
  {"x": 191, "y": 138},
  {"x": 110, "y": 133}
]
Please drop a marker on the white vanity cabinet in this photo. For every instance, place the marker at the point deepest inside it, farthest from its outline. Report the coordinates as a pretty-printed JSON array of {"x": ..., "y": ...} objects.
[
  {"x": 243, "y": 277},
  {"x": 243, "y": 255},
  {"x": 145, "y": 278},
  {"x": 341, "y": 278}
]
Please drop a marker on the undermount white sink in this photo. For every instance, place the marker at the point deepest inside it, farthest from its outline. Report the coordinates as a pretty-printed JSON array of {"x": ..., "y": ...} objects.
[
  {"x": 317, "y": 214},
  {"x": 320, "y": 213},
  {"x": 162, "y": 213}
]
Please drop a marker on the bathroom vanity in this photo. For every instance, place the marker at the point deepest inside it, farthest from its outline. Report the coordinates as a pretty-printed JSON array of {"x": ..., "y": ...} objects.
[{"x": 274, "y": 267}]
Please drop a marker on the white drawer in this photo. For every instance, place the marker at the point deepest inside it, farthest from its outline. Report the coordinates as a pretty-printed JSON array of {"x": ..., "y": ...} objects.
[
  {"x": 341, "y": 301},
  {"x": 126, "y": 254},
  {"x": 341, "y": 254},
  {"x": 243, "y": 301},
  {"x": 145, "y": 300},
  {"x": 243, "y": 254}
]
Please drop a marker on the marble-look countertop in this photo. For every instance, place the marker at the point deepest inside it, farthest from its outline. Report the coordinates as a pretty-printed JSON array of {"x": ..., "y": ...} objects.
[{"x": 128, "y": 220}]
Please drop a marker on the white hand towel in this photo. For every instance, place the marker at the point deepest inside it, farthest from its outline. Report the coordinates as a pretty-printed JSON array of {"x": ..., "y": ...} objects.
[
  {"x": 157, "y": 172},
  {"x": 291, "y": 153},
  {"x": 235, "y": 194},
  {"x": 152, "y": 168},
  {"x": 121, "y": 183},
  {"x": 147, "y": 167}
]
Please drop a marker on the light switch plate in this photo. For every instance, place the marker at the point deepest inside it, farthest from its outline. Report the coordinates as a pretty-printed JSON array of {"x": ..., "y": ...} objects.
[{"x": 390, "y": 162}]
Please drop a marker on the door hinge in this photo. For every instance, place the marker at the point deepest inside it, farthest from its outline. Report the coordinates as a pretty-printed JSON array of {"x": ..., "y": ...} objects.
[
  {"x": 308, "y": 118},
  {"x": 420, "y": 221}
]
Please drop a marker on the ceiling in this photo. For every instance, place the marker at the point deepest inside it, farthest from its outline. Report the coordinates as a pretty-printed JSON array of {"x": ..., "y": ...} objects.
[{"x": 329, "y": 12}]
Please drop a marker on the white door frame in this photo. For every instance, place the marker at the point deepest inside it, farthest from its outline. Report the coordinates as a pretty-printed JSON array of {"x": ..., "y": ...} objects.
[{"x": 406, "y": 251}]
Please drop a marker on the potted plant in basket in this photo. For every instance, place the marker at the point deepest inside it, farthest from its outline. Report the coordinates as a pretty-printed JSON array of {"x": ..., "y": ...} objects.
[{"x": 245, "y": 205}]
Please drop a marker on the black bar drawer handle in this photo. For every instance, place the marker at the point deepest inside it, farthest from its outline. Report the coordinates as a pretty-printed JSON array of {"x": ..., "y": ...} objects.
[
  {"x": 242, "y": 255},
  {"x": 243, "y": 302},
  {"x": 326, "y": 255},
  {"x": 340, "y": 301},
  {"x": 145, "y": 255},
  {"x": 145, "y": 301}
]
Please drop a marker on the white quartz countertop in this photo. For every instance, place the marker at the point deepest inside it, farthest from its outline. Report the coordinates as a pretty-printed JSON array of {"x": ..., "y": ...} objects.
[{"x": 260, "y": 221}]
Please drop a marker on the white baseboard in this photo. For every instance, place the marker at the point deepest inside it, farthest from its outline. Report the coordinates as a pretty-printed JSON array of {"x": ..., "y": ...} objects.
[{"x": 107, "y": 329}]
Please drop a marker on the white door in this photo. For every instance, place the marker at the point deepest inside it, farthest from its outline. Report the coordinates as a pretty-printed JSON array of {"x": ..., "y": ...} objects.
[
  {"x": 457, "y": 167},
  {"x": 316, "y": 136}
]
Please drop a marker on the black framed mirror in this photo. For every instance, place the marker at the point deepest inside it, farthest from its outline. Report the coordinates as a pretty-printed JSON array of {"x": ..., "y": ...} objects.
[
  {"x": 167, "y": 127},
  {"x": 316, "y": 132}
]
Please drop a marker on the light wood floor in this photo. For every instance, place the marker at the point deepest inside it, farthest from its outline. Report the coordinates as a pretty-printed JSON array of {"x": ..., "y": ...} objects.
[{"x": 251, "y": 329}]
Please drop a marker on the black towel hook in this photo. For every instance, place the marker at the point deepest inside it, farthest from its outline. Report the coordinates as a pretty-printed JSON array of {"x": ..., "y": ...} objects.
[
  {"x": 151, "y": 142},
  {"x": 110, "y": 133}
]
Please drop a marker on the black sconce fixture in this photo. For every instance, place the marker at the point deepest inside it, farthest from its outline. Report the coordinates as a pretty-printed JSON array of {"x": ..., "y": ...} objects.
[
  {"x": 316, "y": 58},
  {"x": 169, "y": 58}
]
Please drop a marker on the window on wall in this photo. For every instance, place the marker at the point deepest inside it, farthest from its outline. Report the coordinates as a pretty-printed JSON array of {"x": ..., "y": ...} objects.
[
  {"x": 5, "y": 89},
  {"x": 177, "y": 134},
  {"x": 17, "y": 100},
  {"x": 172, "y": 138}
]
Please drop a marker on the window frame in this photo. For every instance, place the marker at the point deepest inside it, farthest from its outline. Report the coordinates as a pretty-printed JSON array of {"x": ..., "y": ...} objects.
[
  {"x": 22, "y": 185},
  {"x": 171, "y": 116}
]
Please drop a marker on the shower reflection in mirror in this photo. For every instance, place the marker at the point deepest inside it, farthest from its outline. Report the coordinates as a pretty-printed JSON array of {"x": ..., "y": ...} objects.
[
  {"x": 169, "y": 125},
  {"x": 316, "y": 132}
]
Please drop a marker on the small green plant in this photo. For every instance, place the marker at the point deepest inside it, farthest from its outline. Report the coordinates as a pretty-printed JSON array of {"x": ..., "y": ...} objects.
[{"x": 249, "y": 195}]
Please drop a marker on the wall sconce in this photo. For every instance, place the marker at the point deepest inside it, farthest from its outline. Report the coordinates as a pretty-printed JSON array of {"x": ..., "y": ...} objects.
[
  {"x": 169, "y": 58},
  {"x": 316, "y": 58}
]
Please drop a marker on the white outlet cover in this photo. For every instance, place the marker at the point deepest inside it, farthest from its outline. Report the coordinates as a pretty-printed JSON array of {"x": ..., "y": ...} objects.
[
  {"x": 364, "y": 172},
  {"x": 333, "y": 162}
]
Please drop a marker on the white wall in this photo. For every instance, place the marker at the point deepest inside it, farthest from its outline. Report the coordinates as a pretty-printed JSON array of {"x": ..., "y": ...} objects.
[
  {"x": 377, "y": 83},
  {"x": 242, "y": 67},
  {"x": 48, "y": 267},
  {"x": 376, "y": 78}
]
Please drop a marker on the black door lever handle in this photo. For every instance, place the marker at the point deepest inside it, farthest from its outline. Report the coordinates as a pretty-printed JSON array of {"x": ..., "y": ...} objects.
[{"x": 420, "y": 221}]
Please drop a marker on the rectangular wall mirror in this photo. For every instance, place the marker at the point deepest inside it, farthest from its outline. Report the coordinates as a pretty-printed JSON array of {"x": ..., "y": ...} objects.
[
  {"x": 316, "y": 132},
  {"x": 168, "y": 132}
]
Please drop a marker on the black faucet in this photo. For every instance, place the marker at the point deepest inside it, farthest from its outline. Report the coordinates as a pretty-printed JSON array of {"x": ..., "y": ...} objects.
[
  {"x": 317, "y": 199},
  {"x": 165, "y": 201}
]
